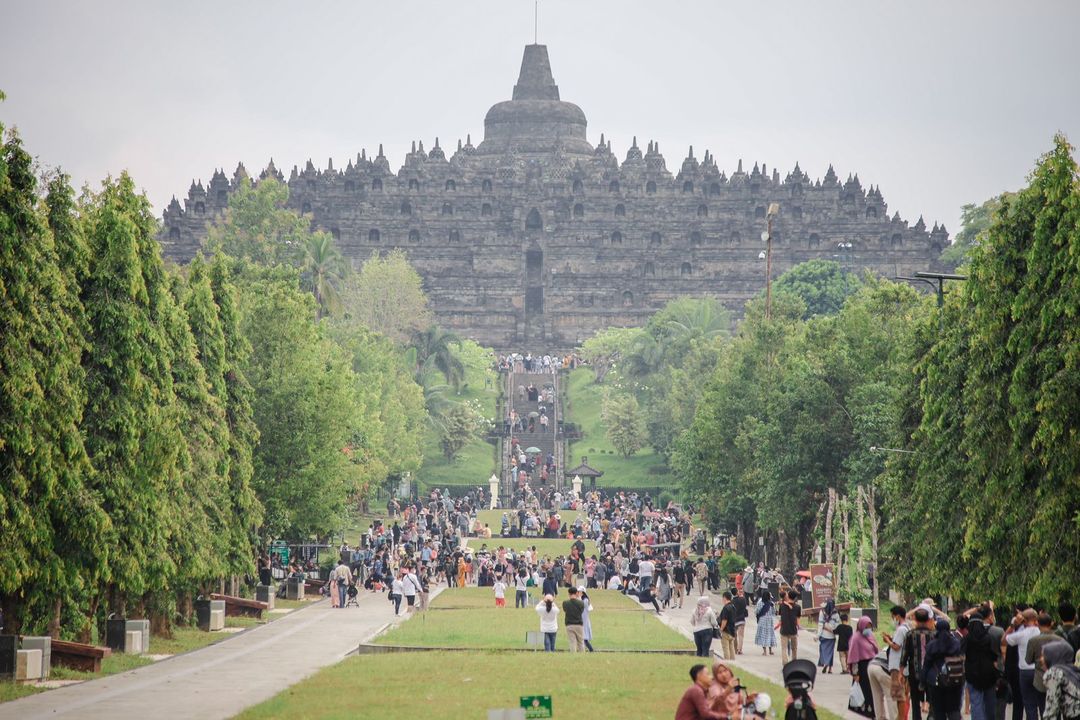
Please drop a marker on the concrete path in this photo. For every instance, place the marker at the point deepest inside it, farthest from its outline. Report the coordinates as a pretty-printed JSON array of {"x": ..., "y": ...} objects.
[
  {"x": 830, "y": 691},
  {"x": 220, "y": 680}
]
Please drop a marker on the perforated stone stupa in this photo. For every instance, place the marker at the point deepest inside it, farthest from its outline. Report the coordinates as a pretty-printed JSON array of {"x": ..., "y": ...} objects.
[{"x": 537, "y": 237}]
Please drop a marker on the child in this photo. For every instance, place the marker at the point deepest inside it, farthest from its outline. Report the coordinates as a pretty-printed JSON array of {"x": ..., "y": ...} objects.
[
  {"x": 500, "y": 593},
  {"x": 843, "y": 636}
]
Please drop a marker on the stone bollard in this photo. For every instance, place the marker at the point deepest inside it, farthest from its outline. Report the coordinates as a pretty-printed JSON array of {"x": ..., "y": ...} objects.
[
  {"x": 143, "y": 628},
  {"x": 44, "y": 644},
  {"x": 28, "y": 665},
  {"x": 295, "y": 589}
]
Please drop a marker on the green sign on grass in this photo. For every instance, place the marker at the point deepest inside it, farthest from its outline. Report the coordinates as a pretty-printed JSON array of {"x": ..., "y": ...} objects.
[{"x": 536, "y": 706}]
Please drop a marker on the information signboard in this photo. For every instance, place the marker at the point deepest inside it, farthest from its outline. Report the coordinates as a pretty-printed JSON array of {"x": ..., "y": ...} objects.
[{"x": 536, "y": 706}]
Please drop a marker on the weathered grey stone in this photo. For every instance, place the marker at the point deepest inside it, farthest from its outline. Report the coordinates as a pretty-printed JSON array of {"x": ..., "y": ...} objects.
[
  {"x": 537, "y": 236},
  {"x": 217, "y": 619},
  {"x": 294, "y": 589},
  {"x": 143, "y": 628},
  {"x": 133, "y": 642},
  {"x": 266, "y": 594}
]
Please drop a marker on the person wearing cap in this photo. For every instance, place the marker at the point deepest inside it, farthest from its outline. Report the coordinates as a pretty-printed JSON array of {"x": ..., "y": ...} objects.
[{"x": 1024, "y": 627}]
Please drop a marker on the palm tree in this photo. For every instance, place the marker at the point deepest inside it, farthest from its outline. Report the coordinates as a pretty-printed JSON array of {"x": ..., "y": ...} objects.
[
  {"x": 324, "y": 270},
  {"x": 435, "y": 351}
]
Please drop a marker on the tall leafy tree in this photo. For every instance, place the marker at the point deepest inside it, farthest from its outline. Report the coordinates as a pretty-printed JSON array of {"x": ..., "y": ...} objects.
[
  {"x": 51, "y": 521},
  {"x": 324, "y": 270}
]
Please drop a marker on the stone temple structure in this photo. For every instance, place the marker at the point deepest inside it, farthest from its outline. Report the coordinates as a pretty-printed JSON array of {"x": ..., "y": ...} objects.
[{"x": 538, "y": 238}]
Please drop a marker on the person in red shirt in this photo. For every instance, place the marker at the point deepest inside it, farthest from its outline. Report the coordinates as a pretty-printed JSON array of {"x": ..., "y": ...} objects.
[{"x": 694, "y": 704}]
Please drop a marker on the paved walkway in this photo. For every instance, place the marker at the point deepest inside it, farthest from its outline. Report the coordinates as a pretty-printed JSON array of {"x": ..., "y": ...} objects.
[
  {"x": 223, "y": 679},
  {"x": 830, "y": 691}
]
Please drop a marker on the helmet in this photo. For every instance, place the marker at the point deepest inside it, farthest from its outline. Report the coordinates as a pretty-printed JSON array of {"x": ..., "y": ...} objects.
[{"x": 762, "y": 703}]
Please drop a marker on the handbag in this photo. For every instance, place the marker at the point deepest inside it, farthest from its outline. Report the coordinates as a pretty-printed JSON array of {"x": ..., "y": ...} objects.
[{"x": 856, "y": 700}]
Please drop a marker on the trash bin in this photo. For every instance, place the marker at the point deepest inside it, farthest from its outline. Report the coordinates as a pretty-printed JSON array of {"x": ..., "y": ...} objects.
[
  {"x": 115, "y": 632},
  {"x": 807, "y": 599},
  {"x": 872, "y": 614},
  {"x": 9, "y": 649},
  {"x": 202, "y": 614}
]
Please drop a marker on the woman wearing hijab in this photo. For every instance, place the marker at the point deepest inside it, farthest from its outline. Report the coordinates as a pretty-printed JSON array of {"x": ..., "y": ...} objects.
[
  {"x": 861, "y": 650},
  {"x": 945, "y": 699},
  {"x": 702, "y": 623},
  {"x": 723, "y": 695},
  {"x": 828, "y": 621},
  {"x": 765, "y": 637},
  {"x": 1062, "y": 681}
]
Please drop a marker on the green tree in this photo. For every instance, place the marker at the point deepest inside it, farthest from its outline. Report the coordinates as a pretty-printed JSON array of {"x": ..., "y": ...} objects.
[
  {"x": 324, "y": 272},
  {"x": 606, "y": 348},
  {"x": 975, "y": 220},
  {"x": 50, "y": 520},
  {"x": 823, "y": 285},
  {"x": 625, "y": 426},
  {"x": 130, "y": 424},
  {"x": 460, "y": 423},
  {"x": 436, "y": 350},
  {"x": 387, "y": 296},
  {"x": 258, "y": 227}
]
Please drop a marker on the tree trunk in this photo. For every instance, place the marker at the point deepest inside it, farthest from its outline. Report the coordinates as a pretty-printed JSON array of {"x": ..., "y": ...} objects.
[
  {"x": 841, "y": 566},
  {"x": 84, "y": 635},
  {"x": 830, "y": 510},
  {"x": 53, "y": 629},
  {"x": 184, "y": 607},
  {"x": 874, "y": 525},
  {"x": 11, "y": 607}
]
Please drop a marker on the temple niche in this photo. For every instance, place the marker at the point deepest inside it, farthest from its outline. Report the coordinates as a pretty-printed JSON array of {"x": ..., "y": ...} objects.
[{"x": 535, "y": 237}]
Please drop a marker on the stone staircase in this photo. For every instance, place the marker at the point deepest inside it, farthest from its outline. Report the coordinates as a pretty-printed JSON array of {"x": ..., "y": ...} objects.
[{"x": 550, "y": 442}]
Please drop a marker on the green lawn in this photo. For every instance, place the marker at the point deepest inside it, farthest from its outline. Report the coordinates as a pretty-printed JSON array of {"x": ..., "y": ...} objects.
[
  {"x": 476, "y": 462},
  {"x": 546, "y": 548},
  {"x": 467, "y": 617},
  {"x": 583, "y": 408},
  {"x": 465, "y": 685}
]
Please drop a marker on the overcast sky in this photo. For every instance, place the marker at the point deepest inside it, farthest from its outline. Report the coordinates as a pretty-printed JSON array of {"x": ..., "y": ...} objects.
[{"x": 939, "y": 103}]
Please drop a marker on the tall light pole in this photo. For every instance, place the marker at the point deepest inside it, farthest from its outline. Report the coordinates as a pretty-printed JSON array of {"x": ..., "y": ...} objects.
[{"x": 774, "y": 210}]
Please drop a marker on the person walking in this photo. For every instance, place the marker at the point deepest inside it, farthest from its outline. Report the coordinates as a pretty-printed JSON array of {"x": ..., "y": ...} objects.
[
  {"x": 703, "y": 625},
  {"x": 586, "y": 621},
  {"x": 742, "y": 611},
  {"x": 862, "y": 650},
  {"x": 573, "y": 612},
  {"x": 789, "y": 627},
  {"x": 828, "y": 621},
  {"x": 549, "y": 621},
  {"x": 521, "y": 587},
  {"x": 727, "y": 627},
  {"x": 765, "y": 637},
  {"x": 410, "y": 587},
  {"x": 341, "y": 579}
]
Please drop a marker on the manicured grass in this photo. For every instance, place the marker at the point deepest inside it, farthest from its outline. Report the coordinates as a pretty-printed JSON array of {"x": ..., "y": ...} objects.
[
  {"x": 465, "y": 685},
  {"x": 476, "y": 461},
  {"x": 468, "y": 617},
  {"x": 546, "y": 548},
  {"x": 584, "y": 408}
]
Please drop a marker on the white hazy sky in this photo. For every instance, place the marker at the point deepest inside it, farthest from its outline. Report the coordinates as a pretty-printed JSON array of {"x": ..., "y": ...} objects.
[{"x": 940, "y": 103}]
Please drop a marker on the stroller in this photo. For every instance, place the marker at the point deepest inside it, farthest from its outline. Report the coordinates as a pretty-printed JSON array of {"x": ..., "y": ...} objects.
[
  {"x": 351, "y": 594},
  {"x": 799, "y": 678}
]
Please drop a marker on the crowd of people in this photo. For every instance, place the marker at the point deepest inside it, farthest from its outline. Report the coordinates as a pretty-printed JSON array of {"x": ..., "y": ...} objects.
[{"x": 536, "y": 364}]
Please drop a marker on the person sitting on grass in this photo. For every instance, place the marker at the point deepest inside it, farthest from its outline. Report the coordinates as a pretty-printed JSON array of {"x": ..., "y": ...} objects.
[{"x": 694, "y": 705}]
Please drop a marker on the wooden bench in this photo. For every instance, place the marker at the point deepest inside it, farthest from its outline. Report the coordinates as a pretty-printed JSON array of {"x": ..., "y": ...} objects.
[
  {"x": 78, "y": 656},
  {"x": 240, "y": 607},
  {"x": 312, "y": 585}
]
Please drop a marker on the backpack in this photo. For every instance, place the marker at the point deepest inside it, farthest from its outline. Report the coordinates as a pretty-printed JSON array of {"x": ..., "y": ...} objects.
[{"x": 951, "y": 673}]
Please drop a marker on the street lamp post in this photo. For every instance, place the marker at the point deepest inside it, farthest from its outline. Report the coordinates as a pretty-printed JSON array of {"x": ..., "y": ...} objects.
[
  {"x": 774, "y": 210},
  {"x": 929, "y": 278}
]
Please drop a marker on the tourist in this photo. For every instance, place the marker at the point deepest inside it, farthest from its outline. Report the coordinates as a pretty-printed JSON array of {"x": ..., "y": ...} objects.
[
  {"x": 862, "y": 650},
  {"x": 1024, "y": 627},
  {"x": 521, "y": 587},
  {"x": 396, "y": 591},
  {"x": 1062, "y": 680},
  {"x": 727, "y": 627},
  {"x": 921, "y": 632},
  {"x": 703, "y": 625},
  {"x": 898, "y": 684},
  {"x": 724, "y": 695},
  {"x": 789, "y": 626},
  {"x": 678, "y": 574},
  {"x": 944, "y": 688},
  {"x": 828, "y": 621},
  {"x": 981, "y": 655},
  {"x": 573, "y": 612},
  {"x": 694, "y": 704},
  {"x": 765, "y": 637},
  {"x": 1067, "y": 630},
  {"x": 500, "y": 593},
  {"x": 1034, "y": 652},
  {"x": 701, "y": 574},
  {"x": 410, "y": 586},
  {"x": 742, "y": 611},
  {"x": 843, "y": 633},
  {"x": 549, "y": 621},
  {"x": 586, "y": 620},
  {"x": 340, "y": 580}
]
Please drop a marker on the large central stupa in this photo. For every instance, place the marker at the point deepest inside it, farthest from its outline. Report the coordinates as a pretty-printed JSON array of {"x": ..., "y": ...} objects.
[{"x": 536, "y": 239}]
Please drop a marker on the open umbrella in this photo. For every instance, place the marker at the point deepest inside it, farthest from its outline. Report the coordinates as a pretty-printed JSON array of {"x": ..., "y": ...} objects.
[
  {"x": 534, "y": 414},
  {"x": 533, "y": 450}
]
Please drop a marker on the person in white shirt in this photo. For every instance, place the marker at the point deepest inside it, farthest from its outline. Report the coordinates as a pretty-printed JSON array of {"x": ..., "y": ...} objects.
[
  {"x": 1024, "y": 627},
  {"x": 646, "y": 568},
  {"x": 521, "y": 588},
  {"x": 410, "y": 586},
  {"x": 549, "y": 621},
  {"x": 396, "y": 591},
  {"x": 614, "y": 583},
  {"x": 500, "y": 593}
]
